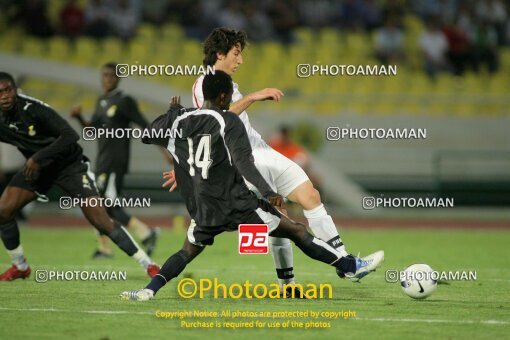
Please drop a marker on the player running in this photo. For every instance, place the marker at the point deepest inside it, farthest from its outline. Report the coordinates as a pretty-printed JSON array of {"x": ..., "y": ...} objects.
[
  {"x": 211, "y": 157},
  {"x": 53, "y": 157},
  {"x": 115, "y": 110},
  {"x": 223, "y": 50}
]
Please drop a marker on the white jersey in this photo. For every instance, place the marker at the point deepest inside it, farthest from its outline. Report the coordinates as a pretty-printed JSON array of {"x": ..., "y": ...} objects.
[
  {"x": 270, "y": 163},
  {"x": 256, "y": 140}
]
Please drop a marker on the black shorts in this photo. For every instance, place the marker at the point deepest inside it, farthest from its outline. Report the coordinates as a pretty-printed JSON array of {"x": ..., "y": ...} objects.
[
  {"x": 110, "y": 183},
  {"x": 75, "y": 179},
  {"x": 264, "y": 214}
]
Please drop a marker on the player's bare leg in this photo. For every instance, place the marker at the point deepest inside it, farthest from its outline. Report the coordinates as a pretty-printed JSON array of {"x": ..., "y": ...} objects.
[
  {"x": 319, "y": 221},
  {"x": 13, "y": 200},
  {"x": 99, "y": 218},
  {"x": 173, "y": 266}
]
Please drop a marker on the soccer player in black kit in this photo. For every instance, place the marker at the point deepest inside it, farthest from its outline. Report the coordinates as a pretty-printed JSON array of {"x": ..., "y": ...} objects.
[
  {"x": 212, "y": 154},
  {"x": 53, "y": 157},
  {"x": 115, "y": 110}
]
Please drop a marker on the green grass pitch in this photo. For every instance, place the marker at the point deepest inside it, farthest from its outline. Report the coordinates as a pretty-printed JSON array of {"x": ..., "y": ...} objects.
[{"x": 92, "y": 310}]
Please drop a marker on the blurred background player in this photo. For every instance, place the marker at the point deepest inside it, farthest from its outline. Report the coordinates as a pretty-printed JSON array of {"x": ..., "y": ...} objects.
[
  {"x": 115, "y": 110},
  {"x": 53, "y": 157},
  {"x": 223, "y": 50}
]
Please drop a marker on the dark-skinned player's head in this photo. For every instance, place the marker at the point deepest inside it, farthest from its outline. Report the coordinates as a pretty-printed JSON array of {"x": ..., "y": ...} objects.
[
  {"x": 7, "y": 91},
  {"x": 218, "y": 89},
  {"x": 223, "y": 48},
  {"x": 109, "y": 78}
]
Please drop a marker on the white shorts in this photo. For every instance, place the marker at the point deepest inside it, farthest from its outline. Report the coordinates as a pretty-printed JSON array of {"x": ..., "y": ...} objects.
[{"x": 282, "y": 174}]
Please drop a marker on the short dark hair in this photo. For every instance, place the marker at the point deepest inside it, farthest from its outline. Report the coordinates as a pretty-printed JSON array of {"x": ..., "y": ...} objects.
[
  {"x": 216, "y": 84},
  {"x": 8, "y": 77},
  {"x": 222, "y": 40}
]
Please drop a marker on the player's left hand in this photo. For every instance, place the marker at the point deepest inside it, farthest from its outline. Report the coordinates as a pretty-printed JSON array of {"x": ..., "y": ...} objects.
[
  {"x": 31, "y": 169},
  {"x": 277, "y": 201},
  {"x": 170, "y": 177}
]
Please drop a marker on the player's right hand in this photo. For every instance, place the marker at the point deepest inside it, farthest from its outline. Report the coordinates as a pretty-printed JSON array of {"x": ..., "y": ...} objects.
[
  {"x": 75, "y": 111},
  {"x": 170, "y": 177},
  {"x": 267, "y": 94},
  {"x": 277, "y": 201}
]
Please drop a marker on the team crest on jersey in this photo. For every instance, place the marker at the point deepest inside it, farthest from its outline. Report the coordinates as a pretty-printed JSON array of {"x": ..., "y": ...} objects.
[
  {"x": 111, "y": 111},
  {"x": 86, "y": 183},
  {"x": 31, "y": 131}
]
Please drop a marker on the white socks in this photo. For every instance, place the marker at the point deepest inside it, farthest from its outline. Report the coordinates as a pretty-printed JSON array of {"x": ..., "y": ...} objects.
[
  {"x": 18, "y": 258},
  {"x": 281, "y": 250},
  {"x": 324, "y": 228}
]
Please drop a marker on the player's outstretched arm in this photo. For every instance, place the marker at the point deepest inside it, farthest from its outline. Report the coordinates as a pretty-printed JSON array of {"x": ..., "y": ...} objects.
[{"x": 266, "y": 94}]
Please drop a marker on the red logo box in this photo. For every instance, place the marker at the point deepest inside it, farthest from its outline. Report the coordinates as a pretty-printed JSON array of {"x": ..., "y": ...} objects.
[{"x": 253, "y": 239}]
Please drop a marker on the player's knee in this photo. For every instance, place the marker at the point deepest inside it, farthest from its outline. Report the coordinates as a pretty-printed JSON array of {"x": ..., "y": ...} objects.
[
  {"x": 314, "y": 196},
  {"x": 7, "y": 213},
  {"x": 102, "y": 223},
  {"x": 297, "y": 232},
  {"x": 308, "y": 197},
  {"x": 301, "y": 230},
  {"x": 191, "y": 251}
]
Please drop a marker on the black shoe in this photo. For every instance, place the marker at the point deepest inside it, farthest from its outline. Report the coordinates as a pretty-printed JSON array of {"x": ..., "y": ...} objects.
[
  {"x": 150, "y": 242},
  {"x": 98, "y": 254}
]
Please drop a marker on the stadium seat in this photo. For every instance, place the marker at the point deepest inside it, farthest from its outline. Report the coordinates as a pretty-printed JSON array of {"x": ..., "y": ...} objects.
[
  {"x": 59, "y": 49},
  {"x": 32, "y": 47}
]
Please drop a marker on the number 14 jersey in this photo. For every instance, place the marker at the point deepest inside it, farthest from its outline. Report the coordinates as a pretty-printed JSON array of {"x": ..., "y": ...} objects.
[{"x": 212, "y": 154}]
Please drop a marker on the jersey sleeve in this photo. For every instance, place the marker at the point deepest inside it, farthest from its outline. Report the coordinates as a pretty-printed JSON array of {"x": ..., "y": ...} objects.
[
  {"x": 54, "y": 125},
  {"x": 198, "y": 95},
  {"x": 240, "y": 151},
  {"x": 161, "y": 123},
  {"x": 132, "y": 112}
]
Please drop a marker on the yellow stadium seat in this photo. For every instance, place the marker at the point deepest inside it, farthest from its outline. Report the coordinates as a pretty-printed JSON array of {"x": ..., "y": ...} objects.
[
  {"x": 112, "y": 49},
  {"x": 59, "y": 49}
]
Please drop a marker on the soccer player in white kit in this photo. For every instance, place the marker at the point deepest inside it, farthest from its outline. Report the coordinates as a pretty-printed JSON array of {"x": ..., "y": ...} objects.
[{"x": 223, "y": 50}]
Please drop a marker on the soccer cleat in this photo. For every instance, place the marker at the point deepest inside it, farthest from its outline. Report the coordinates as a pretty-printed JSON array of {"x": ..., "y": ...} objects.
[
  {"x": 364, "y": 266},
  {"x": 152, "y": 270},
  {"x": 137, "y": 295},
  {"x": 14, "y": 273},
  {"x": 98, "y": 254},
  {"x": 150, "y": 242}
]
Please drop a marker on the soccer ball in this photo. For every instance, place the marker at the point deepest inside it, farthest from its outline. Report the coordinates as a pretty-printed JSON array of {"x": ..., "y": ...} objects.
[{"x": 418, "y": 281}]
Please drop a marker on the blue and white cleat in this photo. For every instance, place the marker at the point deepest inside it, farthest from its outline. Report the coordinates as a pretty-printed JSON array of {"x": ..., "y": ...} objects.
[
  {"x": 137, "y": 295},
  {"x": 364, "y": 266}
]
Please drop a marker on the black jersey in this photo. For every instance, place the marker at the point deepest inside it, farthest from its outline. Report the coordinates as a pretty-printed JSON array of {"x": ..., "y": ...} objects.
[
  {"x": 115, "y": 110},
  {"x": 40, "y": 133},
  {"x": 212, "y": 153}
]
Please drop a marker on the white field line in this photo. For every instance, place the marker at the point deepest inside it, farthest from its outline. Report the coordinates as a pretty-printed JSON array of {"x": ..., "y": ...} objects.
[{"x": 117, "y": 312}]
